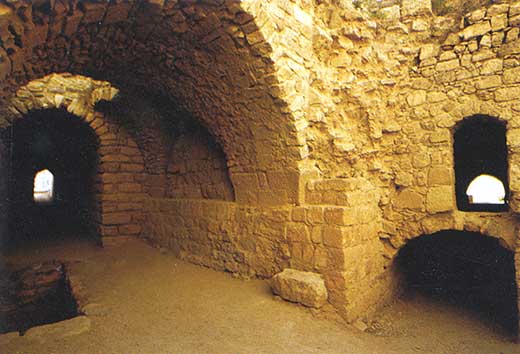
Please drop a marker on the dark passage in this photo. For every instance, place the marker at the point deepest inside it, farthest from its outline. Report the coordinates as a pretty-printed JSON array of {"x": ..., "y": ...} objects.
[
  {"x": 469, "y": 270},
  {"x": 34, "y": 296},
  {"x": 67, "y": 147}
]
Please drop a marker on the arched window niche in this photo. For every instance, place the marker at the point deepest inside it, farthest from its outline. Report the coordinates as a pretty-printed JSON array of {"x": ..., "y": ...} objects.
[
  {"x": 480, "y": 150},
  {"x": 43, "y": 191}
]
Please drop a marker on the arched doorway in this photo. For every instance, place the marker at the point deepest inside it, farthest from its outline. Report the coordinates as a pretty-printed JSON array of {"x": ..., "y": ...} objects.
[
  {"x": 52, "y": 181},
  {"x": 471, "y": 271}
]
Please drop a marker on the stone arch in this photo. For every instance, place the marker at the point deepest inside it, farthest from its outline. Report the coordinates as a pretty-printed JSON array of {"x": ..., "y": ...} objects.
[
  {"x": 227, "y": 63},
  {"x": 121, "y": 166},
  {"x": 462, "y": 267}
]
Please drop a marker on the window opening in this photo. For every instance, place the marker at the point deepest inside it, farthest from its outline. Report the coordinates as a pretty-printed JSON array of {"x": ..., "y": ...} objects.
[
  {"x": 481, "y": 169},
  {"x": 43, "y": 187},
  {"x": 486, "y": 189}
]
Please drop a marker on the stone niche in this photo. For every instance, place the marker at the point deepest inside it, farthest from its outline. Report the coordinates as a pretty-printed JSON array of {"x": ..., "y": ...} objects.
[{"x": 198, "y": 168}]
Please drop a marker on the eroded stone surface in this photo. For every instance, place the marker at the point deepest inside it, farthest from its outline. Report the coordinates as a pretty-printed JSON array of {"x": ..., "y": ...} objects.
[{"x": 305, "y": 288}]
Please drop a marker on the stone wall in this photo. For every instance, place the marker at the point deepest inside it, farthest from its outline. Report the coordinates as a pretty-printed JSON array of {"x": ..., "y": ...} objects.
[
  {"x": 326, "y": 235},
  {"x": 335, "y": 123},
  {"x": 198, "y": 169},
  {"x": 211, "y": 57},
  {"x": 121, "y": 178}
]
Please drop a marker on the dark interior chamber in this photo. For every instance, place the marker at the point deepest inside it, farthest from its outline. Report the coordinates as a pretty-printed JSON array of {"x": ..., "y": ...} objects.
[
  {"x": 467, "y": 269},
  {"x": 65, "y": 145}
]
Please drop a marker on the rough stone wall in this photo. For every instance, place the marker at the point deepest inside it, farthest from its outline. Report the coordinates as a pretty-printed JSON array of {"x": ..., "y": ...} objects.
[
  {"x": 336, "y": 123},
  {"x": 210, "y": 56},
  {"x": 121, "y": 167},
  {"x": 326, "y": 236},
  {"x": 383, "y": 111},
  {"x": 198, "y": 169}
]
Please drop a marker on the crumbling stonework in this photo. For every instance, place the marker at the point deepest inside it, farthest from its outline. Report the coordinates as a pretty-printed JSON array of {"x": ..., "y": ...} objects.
[{"x": 332, "y": 127}]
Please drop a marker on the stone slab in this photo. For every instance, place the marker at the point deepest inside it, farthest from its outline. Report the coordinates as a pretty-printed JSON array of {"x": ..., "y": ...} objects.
[{"x": 306, "y": 288}]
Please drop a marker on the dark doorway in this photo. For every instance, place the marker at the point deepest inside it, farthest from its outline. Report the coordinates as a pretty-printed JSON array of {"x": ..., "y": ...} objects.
[
  {"x": 480, "y": 149},
  {"x": 466, "y": 269},
  {"x": 58, "y": 142}
]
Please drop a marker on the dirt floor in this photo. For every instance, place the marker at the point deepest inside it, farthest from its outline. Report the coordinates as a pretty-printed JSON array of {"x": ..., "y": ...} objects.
[{"x": 152, "y": 302}]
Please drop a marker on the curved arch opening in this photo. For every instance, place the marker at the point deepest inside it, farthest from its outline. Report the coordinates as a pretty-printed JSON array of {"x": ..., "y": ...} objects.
[
  {"x": 466, "y": 273},
  {"x": 43, "y": 190},
  {"x": 481, "y": 169},
  {"x": 486, "y": 189},
  {"x": 52, "y": 184}
]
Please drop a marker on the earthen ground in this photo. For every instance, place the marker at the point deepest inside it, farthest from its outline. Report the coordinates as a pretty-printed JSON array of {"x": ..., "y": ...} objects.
[{"x": 155, "y": 303}]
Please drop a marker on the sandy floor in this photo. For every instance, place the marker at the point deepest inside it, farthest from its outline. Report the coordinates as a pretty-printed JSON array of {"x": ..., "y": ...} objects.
[{"x": 158, "y": 304}]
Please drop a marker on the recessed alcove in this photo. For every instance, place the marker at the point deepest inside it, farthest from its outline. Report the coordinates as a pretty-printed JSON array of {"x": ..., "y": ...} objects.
[
  {"x": 465, "y": 270},
  {"x": 52, "y": 176}
]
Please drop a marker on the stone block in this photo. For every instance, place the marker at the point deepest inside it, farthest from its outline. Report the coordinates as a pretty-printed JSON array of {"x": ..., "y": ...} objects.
[
  {"x": 297, "y": 232},
  {"x": 409, "y": 199},
  {"x": 440, "y": 199},
  {"x": 507, "y": 94},
  {"x": 514, "y": 21},
  {"x": 416, "y": 98},
  {"x": 334, "y": 236},
  {"x": 340, "y": 216},
  {"x": 315, "y": 215},
  {"x": 116, "y": 218},
  {"x": 514, "y": 10},
  {"x": 476, "y": 30},
  {"x": 298, "y": 214},
  {"x": 489, "y": 82},
  {"x": 306, "y": 288},
  {"x": 440, "y": 176},
  {"x": 491, "y": 66},
  {"x": 499, "y": 22},
  {"x": 513, "y": 139},
  {"x": 448, "y": 65},
  {"x": 512, "y": 76},
  {"x": 117, "y": 12},
  {"x": 131, "y": 229},
  {"x": 415, "y": 7},
  {"x": 130, "y": 188},
  {"x": 391, "y": 13},
  {"x": 475, "y": 16},
  {"x": 497, "y": 9}
]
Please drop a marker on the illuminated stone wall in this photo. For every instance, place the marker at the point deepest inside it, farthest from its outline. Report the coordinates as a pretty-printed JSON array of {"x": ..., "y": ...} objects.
[{"x": 334, "y": 124}]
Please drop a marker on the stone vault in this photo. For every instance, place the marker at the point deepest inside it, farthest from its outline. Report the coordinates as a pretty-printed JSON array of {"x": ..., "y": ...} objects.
[{"x": 253, "y": 136}]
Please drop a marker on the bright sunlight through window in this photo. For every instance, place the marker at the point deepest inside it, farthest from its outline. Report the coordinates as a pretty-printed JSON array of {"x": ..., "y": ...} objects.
[
  {"x": 486, "y": 189},
  {"x": 43, "y": 187}
]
